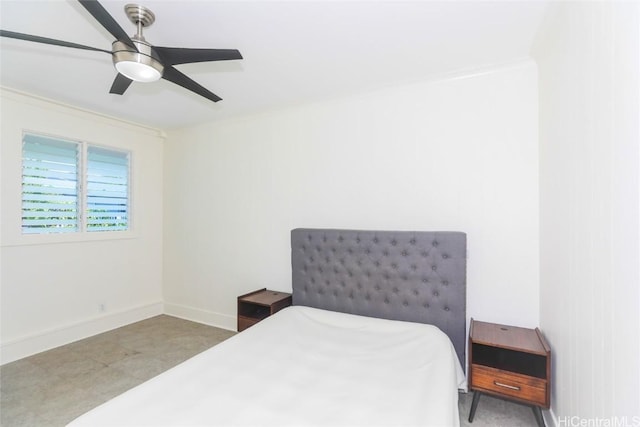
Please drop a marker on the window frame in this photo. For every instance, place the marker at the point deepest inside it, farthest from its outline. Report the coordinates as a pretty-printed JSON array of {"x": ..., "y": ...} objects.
[{"x": 82, "y": 233}]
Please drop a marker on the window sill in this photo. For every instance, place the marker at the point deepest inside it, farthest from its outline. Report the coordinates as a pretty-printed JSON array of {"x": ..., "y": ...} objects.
[{"x": 61, "y": 238}]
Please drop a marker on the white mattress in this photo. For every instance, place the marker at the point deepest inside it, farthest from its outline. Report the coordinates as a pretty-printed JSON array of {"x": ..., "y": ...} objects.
[{"x": 303, "y": 367}]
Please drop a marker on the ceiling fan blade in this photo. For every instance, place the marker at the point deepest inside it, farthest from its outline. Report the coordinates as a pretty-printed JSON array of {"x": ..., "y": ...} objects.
[
  {"x": 177, "y": 55},
  {"x": 120, "y": 84},
  {"x": 46, "y": 40},
  {"x": 175, "y": 76},
  {"x": 102, "y": 16}
]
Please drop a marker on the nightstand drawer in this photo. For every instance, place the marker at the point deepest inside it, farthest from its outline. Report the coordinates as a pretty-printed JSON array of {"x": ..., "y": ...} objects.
[{"x": 521, "y": 387}]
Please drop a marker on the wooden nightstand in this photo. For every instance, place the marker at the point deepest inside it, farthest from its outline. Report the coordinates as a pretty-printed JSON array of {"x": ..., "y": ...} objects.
[
  {"x": 258, "y": 305},
  {"x": 509, "y": 362}
]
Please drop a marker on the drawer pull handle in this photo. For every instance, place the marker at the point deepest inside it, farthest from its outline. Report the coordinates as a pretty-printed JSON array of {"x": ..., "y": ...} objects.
[{"x": 512, "y": 387}]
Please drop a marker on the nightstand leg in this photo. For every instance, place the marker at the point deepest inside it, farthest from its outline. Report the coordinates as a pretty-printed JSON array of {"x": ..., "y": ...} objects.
[
  {"x": 474, "y": 405},
  {"x": 538, "y": 413}
]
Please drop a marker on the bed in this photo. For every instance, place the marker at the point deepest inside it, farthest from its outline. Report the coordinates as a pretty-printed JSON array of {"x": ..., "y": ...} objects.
[{"x": 375, "y": 336}]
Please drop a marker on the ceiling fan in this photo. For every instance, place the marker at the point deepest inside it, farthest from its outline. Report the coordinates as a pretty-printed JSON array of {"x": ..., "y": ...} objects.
[{"x": 134, "y": 58}]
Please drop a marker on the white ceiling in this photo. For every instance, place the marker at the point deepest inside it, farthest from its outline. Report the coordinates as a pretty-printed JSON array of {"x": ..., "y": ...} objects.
[{"x": 294, "y": 51}]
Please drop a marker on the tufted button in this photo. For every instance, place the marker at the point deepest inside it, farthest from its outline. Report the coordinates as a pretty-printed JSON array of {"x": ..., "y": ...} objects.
[
  {"x": 313, "y": 280},
  {"x": 394, "y": 265},
  {"x": 395, "y": 290},
  {"x": 424, "y": 254},
  {"x": 377, "y": 287},
  {"x": 405, "y": 303},
  {"x": 425, "y": 280},
  {"x": 377, "y": 263},
  {"x": 412, "y": 241},
  {"x": 344, "y": 285},
  {"x": 359, "y": 285},
  {"x": 326, "y": 260},
  {"x": 435, "y": 293},
  {"x": 326, "y": 282},
  {"x": 318, "y": 249},
  {"x": 340, "y": 239},
  {"x": 350, "y": 250},
  {"x": 357, "y": 240},
  {"x": 434, "y": 268},
  {"x": 311, "y": 259},
  {"x": 386, "y": 300},
  {"x": 414, "y": 267},
  {"x": 324, "y": 239},
  {"x": 333, "y": 250},
  {"x": 350, "y": 274},
  {"x": 394, "y": 242},
  {"x": 445, "y": 283},
  {"x": 309, "y": 237},
  {"x": 351, "y": 295},
  {"x": 415, "y": 292},
  {"x": 367, "y": 251},
  {"x": 446, "y": 309},
  {"x": 405, "y": 253},
  {"x": 385, "y": 252},
  {"x": 375, "y": 240},
  {"x": 368, "y": 297},
  {"x": 405, "y": 278},
  {"x": 445, "y": 256},
  {"x": 425, "y": 305},
  {"x": 435, "y": 244},
  {"x": 320, "y": 269},
  {"x": 304, "y": 248},
  {"x": 335, "y": 293}
]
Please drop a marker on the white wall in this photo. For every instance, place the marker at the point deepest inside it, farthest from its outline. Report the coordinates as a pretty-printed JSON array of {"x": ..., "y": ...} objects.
[
  {"x": 588, "y": 59},
  {"x": 51, "y": 286},
  {"x": 455, "y": 154}
]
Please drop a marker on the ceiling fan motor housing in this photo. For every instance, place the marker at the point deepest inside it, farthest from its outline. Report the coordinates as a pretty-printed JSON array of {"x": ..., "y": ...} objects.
[{"x": 143, "y": 65}]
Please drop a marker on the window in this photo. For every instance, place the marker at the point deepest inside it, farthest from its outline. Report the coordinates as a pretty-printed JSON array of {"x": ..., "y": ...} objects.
[{"x": 70, "y": 186}]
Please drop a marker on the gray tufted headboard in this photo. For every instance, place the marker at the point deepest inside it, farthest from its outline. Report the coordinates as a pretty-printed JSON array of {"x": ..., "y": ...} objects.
[{"x": 414, "y": 276}]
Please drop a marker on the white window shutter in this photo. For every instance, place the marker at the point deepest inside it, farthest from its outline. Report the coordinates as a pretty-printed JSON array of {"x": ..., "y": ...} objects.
[
  {"x": 107, "y": 189},
  {"x": 49, "y": 185}
]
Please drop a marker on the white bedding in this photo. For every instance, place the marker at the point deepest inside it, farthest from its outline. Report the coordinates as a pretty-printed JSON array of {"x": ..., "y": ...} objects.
[{"x": 303, "y": 367}]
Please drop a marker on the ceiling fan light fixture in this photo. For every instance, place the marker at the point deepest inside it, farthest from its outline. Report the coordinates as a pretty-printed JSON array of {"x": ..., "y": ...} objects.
[
  {"x": 138, "y": 71},
  {"x": 138, "y": 66}
]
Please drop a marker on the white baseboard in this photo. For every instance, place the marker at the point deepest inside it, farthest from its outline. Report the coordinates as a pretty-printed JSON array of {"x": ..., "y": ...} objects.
[
  {"x": 46, "y": 340},
  {"x": 210, "y": 318},
  {"x": 550, "y": 418}
]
